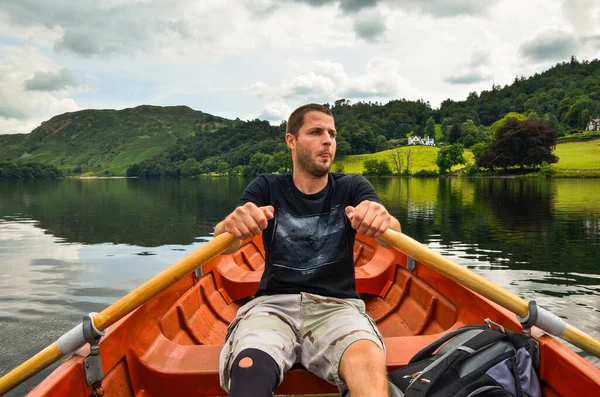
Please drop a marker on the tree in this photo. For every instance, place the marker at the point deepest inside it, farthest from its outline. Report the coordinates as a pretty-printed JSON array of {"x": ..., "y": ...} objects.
[
  {"x": 430, "y": 128},
  {"x": 383, "y": 168},
  {"x": 381, "y": 143},
  {"x": 259, "y": 164},
  {"x": 376, "y": 167},
  {"x": 520, "y": 143},
  {"x": 454, "y": 134},
  {"x": 222, "y": 168},
  {"x": 449, "y": 156},
  {"x": 343, "y": 148},
  {"x": 478, "y": 149},
  {"x": 500, "y": 123},
  {"x": 408, "y": 156},
  {"x": 280, "y": 162},
  {"x": 190, "y": 167},
  {"x": 397, "y": 161},
  {"x": 370, "y": 166},
  {"x": 445, "y": 126}
]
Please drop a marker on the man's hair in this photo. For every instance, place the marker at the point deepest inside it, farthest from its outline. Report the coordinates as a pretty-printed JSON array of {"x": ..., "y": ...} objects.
[{"x": 296, "y": 119}]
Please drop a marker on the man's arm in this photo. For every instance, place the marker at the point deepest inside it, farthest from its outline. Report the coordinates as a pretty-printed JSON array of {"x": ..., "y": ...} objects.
[
  {"x": 244, "y": 222},
  {"x": 371, "y": 219}
]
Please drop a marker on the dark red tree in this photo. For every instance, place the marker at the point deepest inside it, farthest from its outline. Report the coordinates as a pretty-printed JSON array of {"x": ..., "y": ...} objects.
[{"x": 520, "y": 143}]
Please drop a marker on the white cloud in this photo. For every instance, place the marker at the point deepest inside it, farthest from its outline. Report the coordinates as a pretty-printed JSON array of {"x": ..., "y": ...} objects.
[
  {"x": 383, "y": 80},
  {"x": 309, "y": 86},
  {"x": 275, "y": 112},
  {"x": 328, "y": 81},
  {"x": 22, "y": 110},
  {"x": 583, "y": 15}
]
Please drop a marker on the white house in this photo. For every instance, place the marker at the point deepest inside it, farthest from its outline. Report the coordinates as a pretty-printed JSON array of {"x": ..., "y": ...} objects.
[
  {"x": 594, "y": 125},
  {"x": 417, "y": 140}
]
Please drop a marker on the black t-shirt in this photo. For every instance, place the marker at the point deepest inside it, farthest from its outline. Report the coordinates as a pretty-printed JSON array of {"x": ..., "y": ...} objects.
[{"x": 309, "y": 243}]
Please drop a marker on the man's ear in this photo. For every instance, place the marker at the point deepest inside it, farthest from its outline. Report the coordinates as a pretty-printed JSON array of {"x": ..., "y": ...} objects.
[{"x": 290, "y": 141}]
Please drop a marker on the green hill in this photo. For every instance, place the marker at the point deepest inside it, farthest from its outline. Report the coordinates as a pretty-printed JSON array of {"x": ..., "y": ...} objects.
[{"x": 108, "y": 140}]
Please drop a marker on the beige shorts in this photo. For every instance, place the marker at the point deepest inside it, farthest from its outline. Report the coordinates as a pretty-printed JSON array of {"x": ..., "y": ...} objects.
[{"x": 299, "y": 328}]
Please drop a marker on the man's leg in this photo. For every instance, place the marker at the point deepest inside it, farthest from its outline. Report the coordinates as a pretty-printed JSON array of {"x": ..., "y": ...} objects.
[
  {"x": 253, "y": 373},
  {"x": 363, "y": 369},
  {"x": 260, "y": 347},
  {"x": 338, "y": 332}
]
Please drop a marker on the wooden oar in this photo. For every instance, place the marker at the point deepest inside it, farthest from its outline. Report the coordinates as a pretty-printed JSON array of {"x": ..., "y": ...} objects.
[
  {"x": 73, "y": 340},
  {"x": 547, "y": 321}
]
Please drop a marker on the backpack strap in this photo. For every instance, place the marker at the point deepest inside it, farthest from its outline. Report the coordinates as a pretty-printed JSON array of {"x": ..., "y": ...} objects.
[
  {"x": 428, "y": 350},
  {"x": 430, "y": 374}
]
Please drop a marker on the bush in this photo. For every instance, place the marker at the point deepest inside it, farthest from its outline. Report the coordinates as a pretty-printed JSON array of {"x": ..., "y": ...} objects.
[
  {"x": 547, "y": 170},
  {"x": 370, "y": 166},
  {"x": 376, "y": 167},
  {"x": 426, "y": 174},
  {"x": 472, "y": 170},
  {"x": 338, "y": 167},
  {"x": 383, "y": 168}
]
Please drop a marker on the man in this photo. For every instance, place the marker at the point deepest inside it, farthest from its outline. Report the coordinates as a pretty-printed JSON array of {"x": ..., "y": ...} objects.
[{"x": 306, "y": 308}]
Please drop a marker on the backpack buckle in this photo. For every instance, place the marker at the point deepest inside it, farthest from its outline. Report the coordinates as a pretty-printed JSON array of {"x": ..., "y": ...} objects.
[{"x": 492, "y": 325}]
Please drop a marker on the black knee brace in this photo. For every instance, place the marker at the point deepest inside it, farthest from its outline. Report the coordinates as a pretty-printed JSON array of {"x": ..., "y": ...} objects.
[{"x": 258, "y": 379}]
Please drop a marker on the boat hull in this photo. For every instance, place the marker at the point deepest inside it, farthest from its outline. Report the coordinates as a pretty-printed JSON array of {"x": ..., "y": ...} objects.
[{"x": 170, "y": 346}]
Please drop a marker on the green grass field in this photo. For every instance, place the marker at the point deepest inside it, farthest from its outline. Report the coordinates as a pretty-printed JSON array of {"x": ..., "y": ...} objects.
[
  {"x": 421, "y": 158},
  {"x": 578, "y": 155},
  {"x": 574, "y": 157}
]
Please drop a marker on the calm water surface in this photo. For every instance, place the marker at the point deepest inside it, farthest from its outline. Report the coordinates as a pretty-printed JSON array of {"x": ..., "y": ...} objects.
[{"x": 75, "y": 246}]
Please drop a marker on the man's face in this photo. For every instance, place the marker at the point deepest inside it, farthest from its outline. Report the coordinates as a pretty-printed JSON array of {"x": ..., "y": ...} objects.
[{"x": 314, "y": 149}]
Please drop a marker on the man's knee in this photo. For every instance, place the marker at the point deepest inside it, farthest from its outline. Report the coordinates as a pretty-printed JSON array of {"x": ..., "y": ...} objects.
[
  {"x": 364, "y": 352},
  {"x": 362, "y": 357},
  {"x": 253, "y": 373}
]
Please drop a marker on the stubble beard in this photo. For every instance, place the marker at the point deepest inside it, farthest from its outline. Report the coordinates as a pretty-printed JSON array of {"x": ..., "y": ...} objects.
[{"x": 309, "y": 164}]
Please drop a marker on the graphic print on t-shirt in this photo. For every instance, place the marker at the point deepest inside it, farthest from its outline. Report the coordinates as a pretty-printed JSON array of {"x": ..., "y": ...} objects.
[{"x": 305, "y": 243}]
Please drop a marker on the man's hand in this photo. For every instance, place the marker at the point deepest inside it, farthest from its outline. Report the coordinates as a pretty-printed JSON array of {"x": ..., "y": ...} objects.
[
  {"x": 247, "y": 221},
  {"x": 369, "y": 218}
]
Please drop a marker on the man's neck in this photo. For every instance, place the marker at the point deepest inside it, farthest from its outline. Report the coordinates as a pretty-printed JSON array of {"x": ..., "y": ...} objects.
[{"x": 309, "y": 184}]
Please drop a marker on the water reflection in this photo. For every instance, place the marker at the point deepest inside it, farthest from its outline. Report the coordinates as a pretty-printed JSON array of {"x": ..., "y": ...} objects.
[{"x": 123, "y": 211}]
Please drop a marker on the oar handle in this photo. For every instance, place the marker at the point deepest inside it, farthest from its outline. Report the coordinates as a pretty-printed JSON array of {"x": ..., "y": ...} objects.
[
  {"x": 481, "y": 285},
  {"x": 74, "y": 339}
]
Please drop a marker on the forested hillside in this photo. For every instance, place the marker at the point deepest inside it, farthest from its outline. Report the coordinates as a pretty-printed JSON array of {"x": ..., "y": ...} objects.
[
  {"x": 173, "y": 141},
  {"x": 567, "y": 96},
  {"x": 107, "y": 140}
]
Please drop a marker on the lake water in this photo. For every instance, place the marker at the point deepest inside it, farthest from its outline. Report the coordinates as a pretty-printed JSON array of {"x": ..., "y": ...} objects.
[{"x": 71, "y": 247}]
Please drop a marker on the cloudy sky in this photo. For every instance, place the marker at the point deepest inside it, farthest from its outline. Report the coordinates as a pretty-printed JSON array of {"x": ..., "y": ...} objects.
[{"x": 262, "y": 58}]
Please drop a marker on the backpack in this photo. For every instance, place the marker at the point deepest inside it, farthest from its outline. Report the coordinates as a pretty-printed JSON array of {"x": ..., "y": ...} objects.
[{"x": 474, "y": 360}]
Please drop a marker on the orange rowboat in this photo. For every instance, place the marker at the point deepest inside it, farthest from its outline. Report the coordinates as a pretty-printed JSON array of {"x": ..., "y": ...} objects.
[{"x": 170, "y": 345}]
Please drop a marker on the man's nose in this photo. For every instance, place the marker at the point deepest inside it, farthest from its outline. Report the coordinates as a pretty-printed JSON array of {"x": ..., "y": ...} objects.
[{"x": 327, "y": 139}]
